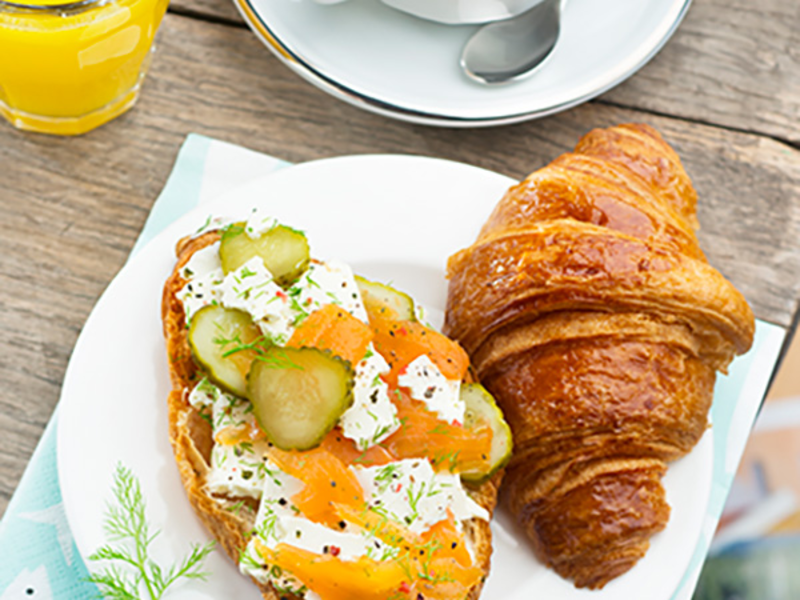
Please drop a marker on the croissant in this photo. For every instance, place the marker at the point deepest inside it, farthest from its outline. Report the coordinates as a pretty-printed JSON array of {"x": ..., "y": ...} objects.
[{"x": 593, "y": 317}]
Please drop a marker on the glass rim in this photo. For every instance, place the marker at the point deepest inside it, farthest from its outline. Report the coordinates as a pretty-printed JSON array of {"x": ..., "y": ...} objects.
[{"x": 59, "y": 8}]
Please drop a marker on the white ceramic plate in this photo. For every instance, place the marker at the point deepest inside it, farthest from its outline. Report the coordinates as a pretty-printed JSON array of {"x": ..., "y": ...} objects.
[
  {"x": 401, "y": 66},
  {"x": 392, "y": 218}
]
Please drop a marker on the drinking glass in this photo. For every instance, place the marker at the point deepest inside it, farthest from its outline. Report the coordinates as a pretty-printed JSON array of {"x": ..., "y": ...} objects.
[{"x": 68, "y": 68}]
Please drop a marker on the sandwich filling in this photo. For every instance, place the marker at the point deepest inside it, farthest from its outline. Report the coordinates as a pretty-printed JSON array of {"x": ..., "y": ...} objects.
[{"x": 374, "y": 505}]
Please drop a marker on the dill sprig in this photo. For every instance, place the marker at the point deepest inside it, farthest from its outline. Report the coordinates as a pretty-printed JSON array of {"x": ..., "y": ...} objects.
[
  {"x": 133, "y": 574},
  {"x": 204, "y": 226},
  {"x": 232, "y": 230},
  {"x": 278, "y": 359},
  {"x": 386, "y": 475},
  {"x": 232, "y": 344}
]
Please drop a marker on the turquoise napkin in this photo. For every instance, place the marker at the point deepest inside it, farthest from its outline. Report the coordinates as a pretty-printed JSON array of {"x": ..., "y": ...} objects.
[
  {"x": 39, "y": 557},
  {"x": 40, "y": 560}
]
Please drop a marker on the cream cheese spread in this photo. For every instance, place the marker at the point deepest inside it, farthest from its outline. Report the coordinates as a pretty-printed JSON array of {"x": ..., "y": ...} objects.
[
  {"x": 427, "y": 384},
  {"x": 407, "y": 491}
]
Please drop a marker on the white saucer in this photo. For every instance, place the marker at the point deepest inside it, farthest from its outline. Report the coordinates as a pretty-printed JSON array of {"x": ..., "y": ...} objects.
[{"x": 391, "y": 63}]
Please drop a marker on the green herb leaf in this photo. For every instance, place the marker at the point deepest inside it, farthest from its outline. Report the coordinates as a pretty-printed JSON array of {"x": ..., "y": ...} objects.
[{"x": 132, "y": 574}]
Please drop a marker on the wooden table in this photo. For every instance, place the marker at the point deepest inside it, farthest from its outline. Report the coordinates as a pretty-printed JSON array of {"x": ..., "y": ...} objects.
[{"x": 725, "y": 91}]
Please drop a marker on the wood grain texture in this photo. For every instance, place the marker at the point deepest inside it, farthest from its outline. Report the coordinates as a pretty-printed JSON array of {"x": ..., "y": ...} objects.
[
  {"x": 72, "y": 208},
  {"x": 734, "y": 63},
  {"x": 223, "y": 10}
]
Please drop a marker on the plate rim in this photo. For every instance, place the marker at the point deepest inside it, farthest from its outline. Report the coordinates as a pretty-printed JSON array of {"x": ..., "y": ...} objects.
[
  {"x": 185, "y": 223},
  {"x": 364, "y": 101}
]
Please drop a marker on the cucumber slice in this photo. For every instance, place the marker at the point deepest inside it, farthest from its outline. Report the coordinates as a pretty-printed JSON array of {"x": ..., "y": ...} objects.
[
  {"x": 284, "y": 251},
  {"x": 380, "y": 298},
  {"x": 298, "y": 394},
  {"x": 482, "y": 409},
  {"x": 214, "y": 332}
]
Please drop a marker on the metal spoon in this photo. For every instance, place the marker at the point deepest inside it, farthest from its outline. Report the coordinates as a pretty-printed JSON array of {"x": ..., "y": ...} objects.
[{"x": 508, "y": 50}]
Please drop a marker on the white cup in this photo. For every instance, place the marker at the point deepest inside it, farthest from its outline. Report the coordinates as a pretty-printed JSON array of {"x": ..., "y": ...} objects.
[{"x": 458, "y": 12}]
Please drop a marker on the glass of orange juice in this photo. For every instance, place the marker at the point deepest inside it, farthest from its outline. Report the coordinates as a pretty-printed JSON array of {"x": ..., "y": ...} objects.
[{"x": 68, "y": 68}]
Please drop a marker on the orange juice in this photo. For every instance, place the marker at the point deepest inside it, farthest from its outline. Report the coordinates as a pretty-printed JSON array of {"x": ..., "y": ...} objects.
[{"x": 66, "y": 69}]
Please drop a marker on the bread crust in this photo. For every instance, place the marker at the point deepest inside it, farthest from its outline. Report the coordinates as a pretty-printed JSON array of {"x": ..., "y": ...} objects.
[
  {"x": 191, "y": 439},
  {"x": 592, "y": 316}
]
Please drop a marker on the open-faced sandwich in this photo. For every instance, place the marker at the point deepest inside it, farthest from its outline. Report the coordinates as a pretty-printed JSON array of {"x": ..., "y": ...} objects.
[{"x": 331, "y": 442}]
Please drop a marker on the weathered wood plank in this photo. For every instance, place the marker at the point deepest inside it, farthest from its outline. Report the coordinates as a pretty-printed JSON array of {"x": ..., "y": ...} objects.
[
  {"x": 734, "y": 63},
  {"x": 72, "y": 208},
  {"x": 223, "y": 10}
]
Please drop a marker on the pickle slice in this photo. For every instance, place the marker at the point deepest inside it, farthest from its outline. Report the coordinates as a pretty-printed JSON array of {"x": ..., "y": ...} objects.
[
  {"x": 380, "y": 299},
  {"x": 284, "y": 251},
  {"x": 483, "y": 410},
  {"x": 298, "y": 394},
  {"x": 222, "y": 341}
]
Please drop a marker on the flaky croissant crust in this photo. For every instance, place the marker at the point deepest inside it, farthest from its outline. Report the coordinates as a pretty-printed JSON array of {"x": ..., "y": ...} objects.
[
  {"x": 592, "y": 315},
  {"x": 613, "y": 222}
]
